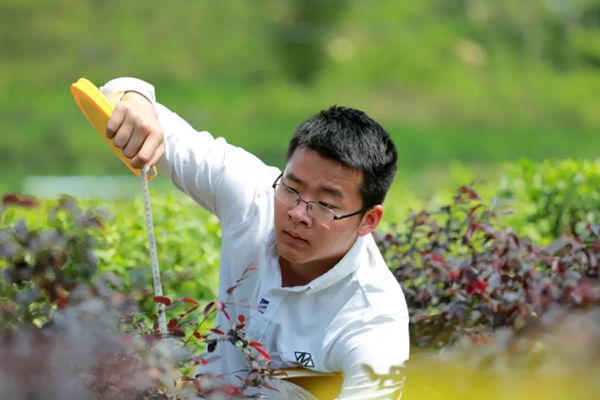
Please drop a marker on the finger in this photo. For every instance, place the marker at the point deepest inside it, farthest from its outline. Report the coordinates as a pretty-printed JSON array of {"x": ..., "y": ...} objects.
[
  {"x": 115, "y": 121},
  {"x": 160, "y": 151},
  {"x": 123, "y": 134},
  {"x": 148, "y": 151},
  {"x": 140, "y": 133}
]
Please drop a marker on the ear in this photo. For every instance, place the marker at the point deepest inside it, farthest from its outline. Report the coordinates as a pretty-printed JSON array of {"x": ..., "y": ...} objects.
[{"x": 370, "y": 220}]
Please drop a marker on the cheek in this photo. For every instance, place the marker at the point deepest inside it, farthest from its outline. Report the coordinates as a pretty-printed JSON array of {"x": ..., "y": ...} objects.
[
  {"x": 279, "y": 214},
  {"x": 333, "y": 239},
  {"x": 344, "y": 235}
]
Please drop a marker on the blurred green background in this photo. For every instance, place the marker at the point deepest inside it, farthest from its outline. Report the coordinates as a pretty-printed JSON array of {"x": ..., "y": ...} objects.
[{"x": 474, "y": 81}]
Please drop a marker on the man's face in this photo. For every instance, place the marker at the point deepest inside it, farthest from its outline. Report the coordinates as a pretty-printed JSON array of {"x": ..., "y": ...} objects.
[{"x": 303, "y": 241}]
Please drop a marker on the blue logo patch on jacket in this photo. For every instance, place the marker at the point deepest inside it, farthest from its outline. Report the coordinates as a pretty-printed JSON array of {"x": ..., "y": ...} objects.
[{"x": 262, "y": 306}]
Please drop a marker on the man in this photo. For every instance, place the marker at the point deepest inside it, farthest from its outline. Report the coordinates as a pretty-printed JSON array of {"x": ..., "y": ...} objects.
[{"x": 322, "y": 294}]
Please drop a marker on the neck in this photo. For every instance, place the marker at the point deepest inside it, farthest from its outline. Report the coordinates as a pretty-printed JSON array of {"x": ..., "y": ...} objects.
[{"x": 293, "y": 274}]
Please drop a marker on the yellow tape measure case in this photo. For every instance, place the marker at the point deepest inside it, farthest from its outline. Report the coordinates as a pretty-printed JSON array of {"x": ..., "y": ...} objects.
[{"x": 98, "y": 110}]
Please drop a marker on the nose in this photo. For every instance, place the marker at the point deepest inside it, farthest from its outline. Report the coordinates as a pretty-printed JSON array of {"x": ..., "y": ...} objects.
[{"x": 299, "y": 213}]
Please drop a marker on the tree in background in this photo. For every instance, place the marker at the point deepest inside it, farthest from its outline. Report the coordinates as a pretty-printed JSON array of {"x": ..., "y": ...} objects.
[{"x": 299, "y": 30}]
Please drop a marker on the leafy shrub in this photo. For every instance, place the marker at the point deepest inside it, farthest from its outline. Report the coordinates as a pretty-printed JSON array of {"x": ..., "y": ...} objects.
[
  {"x": 77, "y": 355},
  {"x": 555, "y": 359},
  {"x": 67, "y": 332},
  {"x": 40, "y": 267},
  {"x": 53, "y": 303},
  {"x": 553, "y": 197},
  {"x": 468, "y": 280},
  {"x": 187, "y": 240},
  {"x": 464, "y": 274}
]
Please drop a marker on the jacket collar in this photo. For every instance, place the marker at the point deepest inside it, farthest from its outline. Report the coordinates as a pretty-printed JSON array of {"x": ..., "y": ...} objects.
[{"x": 352, "y": 260}]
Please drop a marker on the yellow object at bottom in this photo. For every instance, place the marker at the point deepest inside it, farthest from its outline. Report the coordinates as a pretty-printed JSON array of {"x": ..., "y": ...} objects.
[{"x": 323, "y": 386}]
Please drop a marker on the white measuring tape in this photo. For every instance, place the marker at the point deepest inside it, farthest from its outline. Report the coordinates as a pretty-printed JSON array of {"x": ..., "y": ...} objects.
[
  {"x": 98, "y": 108},
  {"x": 162, "y": 318}
]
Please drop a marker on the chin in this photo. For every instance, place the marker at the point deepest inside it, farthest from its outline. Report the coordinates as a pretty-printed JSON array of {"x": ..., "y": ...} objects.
[{"x": 291, "y": 255}]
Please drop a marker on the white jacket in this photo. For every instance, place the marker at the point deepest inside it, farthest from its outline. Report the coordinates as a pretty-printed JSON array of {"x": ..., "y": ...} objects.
[{"x": 354, "y": 314}]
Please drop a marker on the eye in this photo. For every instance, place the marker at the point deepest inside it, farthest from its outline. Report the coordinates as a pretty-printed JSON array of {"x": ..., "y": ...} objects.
[
  {"x": 327, "y": 205},
  {"x": 290, "y": 190}
]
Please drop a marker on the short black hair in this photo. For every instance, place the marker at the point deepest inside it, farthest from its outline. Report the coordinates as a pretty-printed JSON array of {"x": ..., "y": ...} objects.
[{"x": 352, "y": 138}]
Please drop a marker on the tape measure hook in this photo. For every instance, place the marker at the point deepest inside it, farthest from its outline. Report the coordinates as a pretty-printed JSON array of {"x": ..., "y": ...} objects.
[{"x": 150, "y": 172}]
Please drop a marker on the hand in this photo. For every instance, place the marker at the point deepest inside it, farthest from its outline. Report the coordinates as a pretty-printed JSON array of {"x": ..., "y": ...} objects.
[{"x": 134, "y": 129}]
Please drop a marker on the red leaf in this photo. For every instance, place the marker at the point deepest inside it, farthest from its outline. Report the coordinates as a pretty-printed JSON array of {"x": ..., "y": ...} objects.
[
  {"x": 217, "y": 331},
  {"x": 470, "y": 288},
  {"x": 199, "y": 361},
  {"x": 255, "y": 344},
  {"x": 437, "y": 258},
  {"x": 191, "y": 301},
  {"x": 469, "y": 192},
  {"x": 231, "y": 289},
  {"x": 19, "y": 200},
  {"x": 198, "y": 335},
  {"x": 263, "y": 353},
  {"x": 473, "y": 209},
  {"x": 62, "y": 302},
  {"x": 477, "y": 286},
  {"x": 241, "y": 318},
  {"x": 453, "y": 275},
  {"x": 162, "y": 299},
  {"x": 172, "y": 325},
  {"x": 63, "y": 297},
  {"x": 481, "y": 285},
  {"x": 433, "y": 256}
]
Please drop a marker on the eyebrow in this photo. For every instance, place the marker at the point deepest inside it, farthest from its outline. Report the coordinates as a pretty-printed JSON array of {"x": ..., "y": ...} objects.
[{"x": 327, "y": 189}]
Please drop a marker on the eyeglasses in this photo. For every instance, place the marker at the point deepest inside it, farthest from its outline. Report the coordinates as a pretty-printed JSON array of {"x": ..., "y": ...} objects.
[{"x": 315, "y": 210}]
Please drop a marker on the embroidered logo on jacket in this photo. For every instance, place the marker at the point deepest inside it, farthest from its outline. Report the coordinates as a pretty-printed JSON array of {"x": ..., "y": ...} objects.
[
  {"x": 304, "y": 358},
  {"x": 262, "y": 306}
]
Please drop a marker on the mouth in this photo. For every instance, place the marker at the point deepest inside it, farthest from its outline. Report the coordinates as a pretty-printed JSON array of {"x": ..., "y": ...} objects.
[{"x": 294, "y": 237}]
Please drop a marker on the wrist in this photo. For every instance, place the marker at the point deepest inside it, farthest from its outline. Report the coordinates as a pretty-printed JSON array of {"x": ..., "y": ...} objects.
[{"x": 127, "y": 94}]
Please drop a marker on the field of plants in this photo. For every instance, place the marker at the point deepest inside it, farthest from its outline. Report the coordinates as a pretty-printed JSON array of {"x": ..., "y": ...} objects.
[{"x": 503, "y": 294}]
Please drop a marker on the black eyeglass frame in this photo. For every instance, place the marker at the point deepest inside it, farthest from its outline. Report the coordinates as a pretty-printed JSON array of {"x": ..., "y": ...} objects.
[{"x": 301, "y": 200}]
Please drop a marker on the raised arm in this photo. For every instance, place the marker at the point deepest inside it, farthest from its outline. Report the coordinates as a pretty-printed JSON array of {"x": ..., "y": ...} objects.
[{"x": 222, "y": 178}]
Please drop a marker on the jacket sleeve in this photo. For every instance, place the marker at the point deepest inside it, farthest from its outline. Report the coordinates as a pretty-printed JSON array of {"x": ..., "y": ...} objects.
[
  {"x": 222, "y": 178},
  {"x": 379, "y": 347}
]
